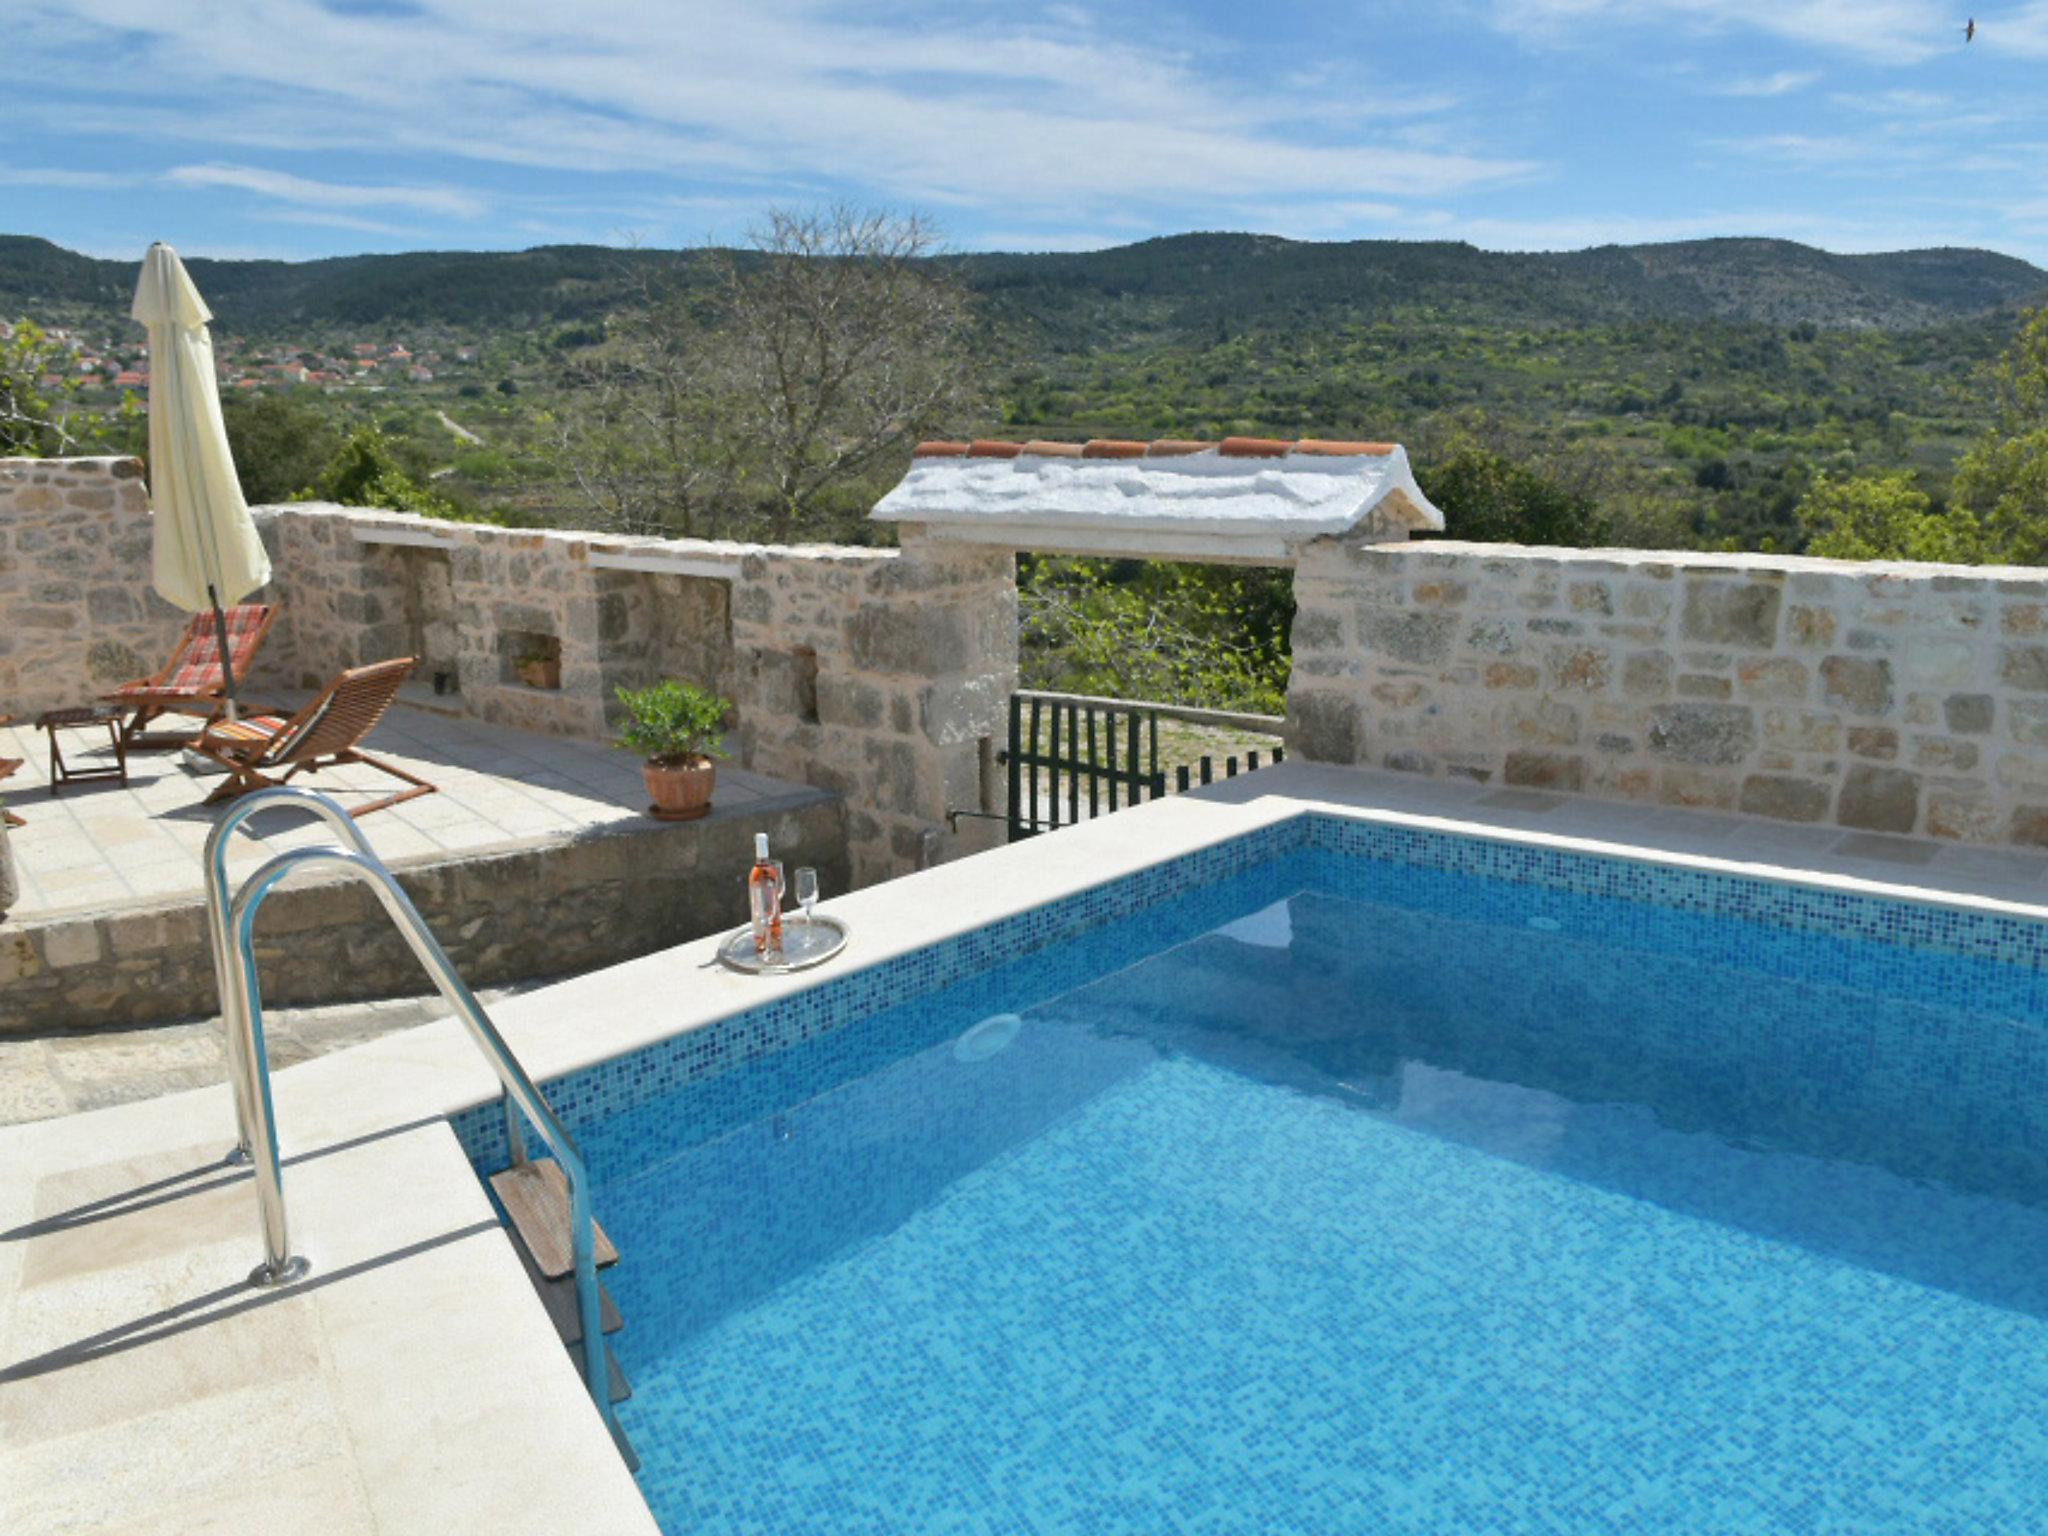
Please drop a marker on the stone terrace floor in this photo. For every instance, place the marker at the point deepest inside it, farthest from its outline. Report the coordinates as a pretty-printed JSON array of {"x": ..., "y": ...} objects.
[{"x": 99, "y": 846}]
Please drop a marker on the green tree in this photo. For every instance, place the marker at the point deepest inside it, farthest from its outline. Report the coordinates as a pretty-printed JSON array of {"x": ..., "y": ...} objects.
[
  {"x": 281, "y": 442},
  {"x": 1489, "y": 497},
  {"x": 40, "y": 416},
  {"x": 1210, "y": 636},
  {"x": 2003, "y": 479},
  {"x": 1885, "y": 517},
  {"x": 364, "y": 472}
]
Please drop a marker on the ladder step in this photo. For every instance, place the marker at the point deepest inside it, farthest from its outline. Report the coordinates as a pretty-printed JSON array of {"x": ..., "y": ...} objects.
[
  {"x": 621, "y": 1388},
  {"x": 536, "y": 1196},
  {"x": 559, "y": 1297},
  {"x": 626, "y": 1451}
]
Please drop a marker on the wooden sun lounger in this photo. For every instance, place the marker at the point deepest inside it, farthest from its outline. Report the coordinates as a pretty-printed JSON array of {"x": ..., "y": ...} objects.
[
  {"x": 191, "y": 682},
  {"x": 327, "y": 733}
]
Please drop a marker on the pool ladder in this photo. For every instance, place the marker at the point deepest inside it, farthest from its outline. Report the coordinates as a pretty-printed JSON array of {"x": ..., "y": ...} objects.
[{"x": 547, "y": 1202}]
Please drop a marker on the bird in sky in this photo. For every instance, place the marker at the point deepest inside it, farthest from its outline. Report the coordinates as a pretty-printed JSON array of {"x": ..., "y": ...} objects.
[{"x": 1970, "y": 31}]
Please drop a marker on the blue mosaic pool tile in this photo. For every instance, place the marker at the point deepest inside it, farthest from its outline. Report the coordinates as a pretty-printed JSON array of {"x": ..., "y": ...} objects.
[
  {"x": 613, "y": 1087},
  {"x": 1348, "y": 1215},
  {"x": 1910, "y": 947}
]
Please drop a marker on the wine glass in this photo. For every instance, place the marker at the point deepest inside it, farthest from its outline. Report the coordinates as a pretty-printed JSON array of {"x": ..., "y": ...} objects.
[{"x": 807, "y": 890}]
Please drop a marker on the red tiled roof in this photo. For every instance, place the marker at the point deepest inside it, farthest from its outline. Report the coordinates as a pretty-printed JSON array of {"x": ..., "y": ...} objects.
[
  {"x": 1330, "y": 448},
  {"x": 1158, "y": 448}
]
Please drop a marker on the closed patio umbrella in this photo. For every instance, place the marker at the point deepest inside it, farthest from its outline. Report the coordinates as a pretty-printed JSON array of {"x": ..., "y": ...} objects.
[{"x": 207, "y": 553}]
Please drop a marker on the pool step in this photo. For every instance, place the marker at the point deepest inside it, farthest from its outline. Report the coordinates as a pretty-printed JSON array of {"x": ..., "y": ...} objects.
[
  {"x": 621, "y": 1388},
  {"x": 559, "y": 1297},
  {"x": 536, "y": 1196}
]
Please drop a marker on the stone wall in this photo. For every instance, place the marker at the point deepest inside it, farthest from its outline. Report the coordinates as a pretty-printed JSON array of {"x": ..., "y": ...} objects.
[
  {"x": 1889, "y": 698},
  {"x": 885, "y": 675},
  {"x": 79, "y": 615},
  {"x": 881, "y": 674},
  {"x": 509, "y": 914},
  {"x": 877, "y": 673}
]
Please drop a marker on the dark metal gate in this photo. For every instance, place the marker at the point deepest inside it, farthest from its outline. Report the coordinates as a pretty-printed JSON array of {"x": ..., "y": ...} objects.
[{"x": 1071, "y": 758}]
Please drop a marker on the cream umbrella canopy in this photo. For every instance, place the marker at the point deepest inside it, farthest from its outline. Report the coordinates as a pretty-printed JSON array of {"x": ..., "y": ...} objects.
[{"x": 207, "y": 553}]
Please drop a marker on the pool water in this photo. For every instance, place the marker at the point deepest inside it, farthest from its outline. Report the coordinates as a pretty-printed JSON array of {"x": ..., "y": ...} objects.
[{"x": 1399, "y": 1201}]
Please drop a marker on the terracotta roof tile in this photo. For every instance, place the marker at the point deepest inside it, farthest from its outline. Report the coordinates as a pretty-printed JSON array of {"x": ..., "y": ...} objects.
[
  {"x": 1253, "y": 447},
  {"x": 1158, "y": 448},
  {"x": 1327, "y": 448}
]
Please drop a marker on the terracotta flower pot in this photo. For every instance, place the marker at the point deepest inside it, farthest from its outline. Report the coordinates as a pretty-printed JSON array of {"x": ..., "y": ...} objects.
[{"x": 681, "y": 791}]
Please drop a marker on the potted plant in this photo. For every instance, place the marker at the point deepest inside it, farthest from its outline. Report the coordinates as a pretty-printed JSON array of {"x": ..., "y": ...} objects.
[
  {"x": 680, "y": 729},
  {"x": 540, "y": 665}
]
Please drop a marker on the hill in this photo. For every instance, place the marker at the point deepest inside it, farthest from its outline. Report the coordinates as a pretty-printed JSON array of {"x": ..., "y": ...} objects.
[
  {"x": 1700, "y": 385},
  {"x": 1192, "y": 283}
]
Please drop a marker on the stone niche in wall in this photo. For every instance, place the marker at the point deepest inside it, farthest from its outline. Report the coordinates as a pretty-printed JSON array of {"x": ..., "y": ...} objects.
[
  {"x": 530, "y": 658},
  {"x": 424, "y": 579},
  {"x": 653, "y": 625}
]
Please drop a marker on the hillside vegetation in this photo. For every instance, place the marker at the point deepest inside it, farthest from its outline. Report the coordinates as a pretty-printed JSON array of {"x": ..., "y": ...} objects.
[
  {"x": 1702, "y": 385},
  {"x": 1181, "y": 282}
]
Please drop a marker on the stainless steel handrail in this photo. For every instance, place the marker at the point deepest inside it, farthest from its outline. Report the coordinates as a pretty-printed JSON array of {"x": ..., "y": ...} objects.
[
  {"x": 242, "y": 1008},
  {"x": 226, "y": 974}
]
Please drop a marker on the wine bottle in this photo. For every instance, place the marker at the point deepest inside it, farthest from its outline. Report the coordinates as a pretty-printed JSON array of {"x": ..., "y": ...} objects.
[{"x": 764, "y": 901}]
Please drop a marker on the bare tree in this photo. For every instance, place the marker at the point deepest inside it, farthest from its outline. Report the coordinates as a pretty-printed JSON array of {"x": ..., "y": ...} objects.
[
  {"x": 641, "y": 432},
  {"x": 770, "y": 379},
  {"x": 844, "y": 343}
]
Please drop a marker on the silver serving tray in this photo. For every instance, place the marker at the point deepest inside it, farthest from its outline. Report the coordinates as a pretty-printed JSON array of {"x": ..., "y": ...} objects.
[{"x": 804, "y": 944}]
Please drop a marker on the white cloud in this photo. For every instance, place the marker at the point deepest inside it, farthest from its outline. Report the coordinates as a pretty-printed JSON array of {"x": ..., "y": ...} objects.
[
  {"x": 348, "y": 221},
  {"x": 1783, "y": 83},
  {"x": 326, "y": 194},
  {"x": 1887, "y": 31},
  {"x": 923, "y": 102},
  {"x": 52, "y": 176},
  {"x": 2022, "y": 33},
  {"x": 1811, "y": 150}
]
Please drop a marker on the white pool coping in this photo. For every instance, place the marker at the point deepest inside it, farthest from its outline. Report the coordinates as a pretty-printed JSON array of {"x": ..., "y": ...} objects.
[{"x": 415, "y": 1385}]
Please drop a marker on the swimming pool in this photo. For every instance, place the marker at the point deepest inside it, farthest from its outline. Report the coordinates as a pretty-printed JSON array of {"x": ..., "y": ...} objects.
[{"x": 1352, "y": 1177}]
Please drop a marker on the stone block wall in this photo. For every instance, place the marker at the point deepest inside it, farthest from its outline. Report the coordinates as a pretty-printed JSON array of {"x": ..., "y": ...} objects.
[
  {"x": 1887, "y": 698},
  {"x": 76, "y": 611},
  {"x": 886, "y": 675},
  {"x": 504, "y": 914},
  {"x": 880, "y": 674}
]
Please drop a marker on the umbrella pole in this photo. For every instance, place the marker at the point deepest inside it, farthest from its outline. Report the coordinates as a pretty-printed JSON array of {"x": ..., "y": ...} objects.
[{"x": 227, "y": 660}]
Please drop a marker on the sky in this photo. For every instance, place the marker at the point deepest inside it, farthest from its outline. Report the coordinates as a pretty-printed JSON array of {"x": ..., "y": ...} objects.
[{"x": 301, "y": 128}]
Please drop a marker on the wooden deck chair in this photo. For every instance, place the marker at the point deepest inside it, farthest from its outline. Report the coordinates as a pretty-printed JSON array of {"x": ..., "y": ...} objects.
[
  {"x": 191, "y": 682},
  {"x": 325, "y": 734}
]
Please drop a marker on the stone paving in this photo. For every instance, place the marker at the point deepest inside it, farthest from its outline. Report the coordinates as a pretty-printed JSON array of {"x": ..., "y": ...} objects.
[
  {"x": 100, "y": 846},
  {"x": 64, "y": 1071}
]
